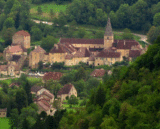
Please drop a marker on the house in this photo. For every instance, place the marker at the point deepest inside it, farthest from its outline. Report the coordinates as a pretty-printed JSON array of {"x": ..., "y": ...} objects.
[
  {"x": 98, "y": 73},
  {"x": 3, "y": 112},
  {"x": 37, "y": 55},
  {"x": 52, "y": 76},
  {"x": 67, "y": 90},
  {"x": 21, "y": 38},
  {"x": 37, "y": 90}
]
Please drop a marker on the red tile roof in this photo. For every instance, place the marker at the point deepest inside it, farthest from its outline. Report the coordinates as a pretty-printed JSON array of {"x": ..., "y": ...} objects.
[
  {"x": 124, "y": 44},
  {"x": 134, "y": 53},
  {"x": 65, "y": 90},
  {"x": 52, "y": 75},
  {"x": 22, "y": 32},
  {"x": 81, "y": 41},
  {"x": 39, "y": 49},
  {"x": 48, "y": 94},
  {"x": 108, "y": 54},
  {"x": 43, "y": 106},
  {"x": 58, "y": 48},
  {"x": 14, "y": 49},
  {"x": 82, "y": 52},
  {"x": 98, "y": 73},
  {"x": 3, "y": 67},
  {"x": 91, "y": 58},
  {"x": 3, "y": 110},
  {"x": 35, "y": 88}
]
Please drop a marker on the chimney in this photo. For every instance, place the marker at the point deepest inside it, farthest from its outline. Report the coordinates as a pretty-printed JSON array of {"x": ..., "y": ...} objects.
[
  {"x": 124, "y": 42},
  {"x": 56, "y": 46}
]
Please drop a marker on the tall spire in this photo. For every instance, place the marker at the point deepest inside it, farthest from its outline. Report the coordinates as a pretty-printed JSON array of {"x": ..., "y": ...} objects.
[{"x": 108, "y": 31}]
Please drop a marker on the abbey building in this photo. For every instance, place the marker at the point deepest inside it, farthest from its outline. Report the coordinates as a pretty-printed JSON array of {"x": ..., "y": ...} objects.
[{"x": 95, "y": 52}]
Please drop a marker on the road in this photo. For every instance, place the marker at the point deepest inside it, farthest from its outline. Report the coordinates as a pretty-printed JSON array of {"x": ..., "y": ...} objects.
[{"x": 142, "y": 37}]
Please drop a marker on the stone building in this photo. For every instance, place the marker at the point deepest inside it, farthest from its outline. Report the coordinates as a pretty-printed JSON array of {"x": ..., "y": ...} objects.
[
  {"x": 67, "y": 90},
  {"x": 96, "y": 52},
  {"x": 3, "y": 112}
]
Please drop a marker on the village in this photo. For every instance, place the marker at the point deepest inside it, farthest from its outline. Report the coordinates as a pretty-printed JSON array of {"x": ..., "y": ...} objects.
[{"x": 94, "y": 52}]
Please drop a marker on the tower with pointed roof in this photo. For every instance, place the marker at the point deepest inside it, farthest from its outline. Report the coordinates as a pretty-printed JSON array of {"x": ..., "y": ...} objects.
[{"x": 108, "y": 35}]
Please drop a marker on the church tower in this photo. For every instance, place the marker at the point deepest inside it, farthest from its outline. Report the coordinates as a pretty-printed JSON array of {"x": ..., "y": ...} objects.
[{"x": 108, "y": 35}]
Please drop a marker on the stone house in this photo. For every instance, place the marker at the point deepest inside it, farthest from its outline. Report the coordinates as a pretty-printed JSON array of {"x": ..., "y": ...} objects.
[
  {"x": 3, "y": 69},
  {"x": 3, "y": 112},
  {"x": 67, "y": 90},
  {"x": 37, "y": 90},
  {"x": 37, "y": 55},
  {"x": 21, "y": 38},
  {"x": 133, "y": 54}
]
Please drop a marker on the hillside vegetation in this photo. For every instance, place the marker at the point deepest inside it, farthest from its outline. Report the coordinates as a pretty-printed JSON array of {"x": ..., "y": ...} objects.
[{"x": 128, "y": 99}]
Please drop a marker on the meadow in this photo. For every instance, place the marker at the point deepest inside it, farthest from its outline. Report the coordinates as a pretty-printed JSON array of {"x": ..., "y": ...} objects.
[
  {"x": 46, "y": 7},
  {"x": 4, "y": 123}
]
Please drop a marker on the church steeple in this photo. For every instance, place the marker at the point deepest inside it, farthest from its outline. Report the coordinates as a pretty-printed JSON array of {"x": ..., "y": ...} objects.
[
  {"x": 108, "y": 28},
  {"x": 108, "y": 35}
]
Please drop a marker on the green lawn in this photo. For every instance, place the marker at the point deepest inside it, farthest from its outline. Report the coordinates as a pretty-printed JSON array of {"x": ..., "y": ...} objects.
[
  {"x": 4, "y": 123},
  {"x": 46, "y": 7}
]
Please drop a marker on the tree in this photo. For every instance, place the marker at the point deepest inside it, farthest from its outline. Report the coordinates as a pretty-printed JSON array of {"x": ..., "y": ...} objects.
[
  {"x": 153, "y": 33},
  {"x": 51, "y": 13},
  {"x": 57, "y": 104},
  {"x": 36, "y": 33},
  {"x": 39, "y": 10},
  {"x": 40, "y": 65},
  {"x": 14, "y": 118},
  {"x": 48, "y": 43},
  {"x": 2, "y": 4},
  {"x": 27, "y": 89},
  {"x": 127, "y": 34},
  {"x": 73, "y": 100},
  {"x": 156, "y": 19},
  {"x": 21, "y": 99},
  {"x": 80, "y": 74},
  {"x": 7, "y": 35}
]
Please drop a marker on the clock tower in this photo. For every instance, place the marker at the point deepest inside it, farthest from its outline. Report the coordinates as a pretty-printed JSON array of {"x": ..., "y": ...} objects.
[{"x": 108, "y": 35}]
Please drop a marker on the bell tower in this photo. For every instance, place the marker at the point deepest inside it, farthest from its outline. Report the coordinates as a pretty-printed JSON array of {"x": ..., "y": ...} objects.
[{"x": 108, "y": 35}]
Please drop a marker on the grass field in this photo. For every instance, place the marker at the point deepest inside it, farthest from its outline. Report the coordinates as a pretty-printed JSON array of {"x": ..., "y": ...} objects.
[
  {"x": 46, "y": 7},
  {"x": 4, "y": 123}
]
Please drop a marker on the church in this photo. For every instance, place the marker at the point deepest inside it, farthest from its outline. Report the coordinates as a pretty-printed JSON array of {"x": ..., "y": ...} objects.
[{"x": 95, "y": 52}]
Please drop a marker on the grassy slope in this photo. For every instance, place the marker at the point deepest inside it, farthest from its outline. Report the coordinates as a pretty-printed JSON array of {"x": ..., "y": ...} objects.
[
  {"x": 46, "y": 10},
  {"x": 4, "y": 123}
]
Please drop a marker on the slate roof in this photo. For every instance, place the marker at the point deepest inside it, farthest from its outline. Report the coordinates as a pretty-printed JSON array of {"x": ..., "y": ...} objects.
[
  {"x": 52, "y": 75},
  {"x": 65, "y": 90},
  {"x": 22, "y": 32},
  {"x": 108, "y": 31},
  {"x": 124, "y": 44},
  {"x": 39, "y": 50},
  {"x": 13, "y": 49},
  {"x": 108, "y": 54},
  {"x": 3, "y": 67},
  {"x": 36, "y": 88},
  {"x": 3, "y": 110},
  {"x": 82, "y": 52},
  {"x": 134, "y": 53},
  {"x": 81, "y": 41},
  {"x": 98, "y": 73},
  {"x": 16, "y": 58}
]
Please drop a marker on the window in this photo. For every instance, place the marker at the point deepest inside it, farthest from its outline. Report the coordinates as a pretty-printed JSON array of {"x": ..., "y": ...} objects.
[{"x": 107, "y": 37}]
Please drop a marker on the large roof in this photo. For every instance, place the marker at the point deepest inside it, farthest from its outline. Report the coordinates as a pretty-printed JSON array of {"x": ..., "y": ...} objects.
[
  {"x": 108, "y": 54},
  {"x": 48, "y": 94},
  {"x": 53, "y": 76},
  {"x": 22, "y": 32},
  {"x": 65, "y": 90},
  {"x": 63, "y": 48},
  {"x": 124, "y": 44},
  {"x": 134, "y": 53},
  {"x": 81, "y": 41},
  {"x": 14, "y": 49},
  {"x": 82, "y": 52},
  {"x": 98, "y": 73},
  {"x": 108, "y": 31}
]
